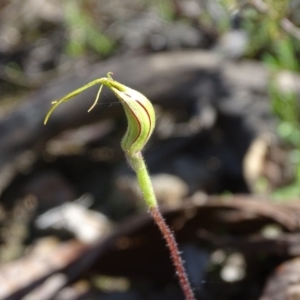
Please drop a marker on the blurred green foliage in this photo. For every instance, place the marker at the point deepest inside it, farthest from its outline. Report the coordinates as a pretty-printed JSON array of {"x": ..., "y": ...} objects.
[
  {"x": 165, "y": 9},
  {"x": 283, "y": 55},
  {"x": 83, "y": 31},
  {"x": 279, "y": 49}
]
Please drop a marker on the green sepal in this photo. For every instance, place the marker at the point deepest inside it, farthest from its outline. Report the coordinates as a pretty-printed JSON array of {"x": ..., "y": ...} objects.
[{"x": 138, "y": 109}]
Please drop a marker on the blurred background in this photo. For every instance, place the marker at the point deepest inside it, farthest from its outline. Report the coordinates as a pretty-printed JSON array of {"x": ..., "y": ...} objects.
[{"x": 223, "y": 76}]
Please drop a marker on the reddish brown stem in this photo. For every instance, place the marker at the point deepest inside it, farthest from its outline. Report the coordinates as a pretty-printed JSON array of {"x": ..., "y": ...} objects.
[{"x": 177, "y": 261}]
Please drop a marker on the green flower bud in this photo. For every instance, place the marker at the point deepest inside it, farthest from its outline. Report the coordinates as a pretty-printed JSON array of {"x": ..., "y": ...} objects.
[
  {"x": 140, "y": 116},
  {"x": 138, "y": 109}
]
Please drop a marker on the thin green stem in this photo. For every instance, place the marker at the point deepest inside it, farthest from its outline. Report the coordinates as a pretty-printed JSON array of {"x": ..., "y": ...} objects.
[{"x": 137, "y": 163}]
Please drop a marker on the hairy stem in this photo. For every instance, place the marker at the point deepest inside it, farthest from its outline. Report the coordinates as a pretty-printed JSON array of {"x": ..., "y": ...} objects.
[
  {"x": 139, "y": 166},
  {"x": 177, "y": 261}
]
